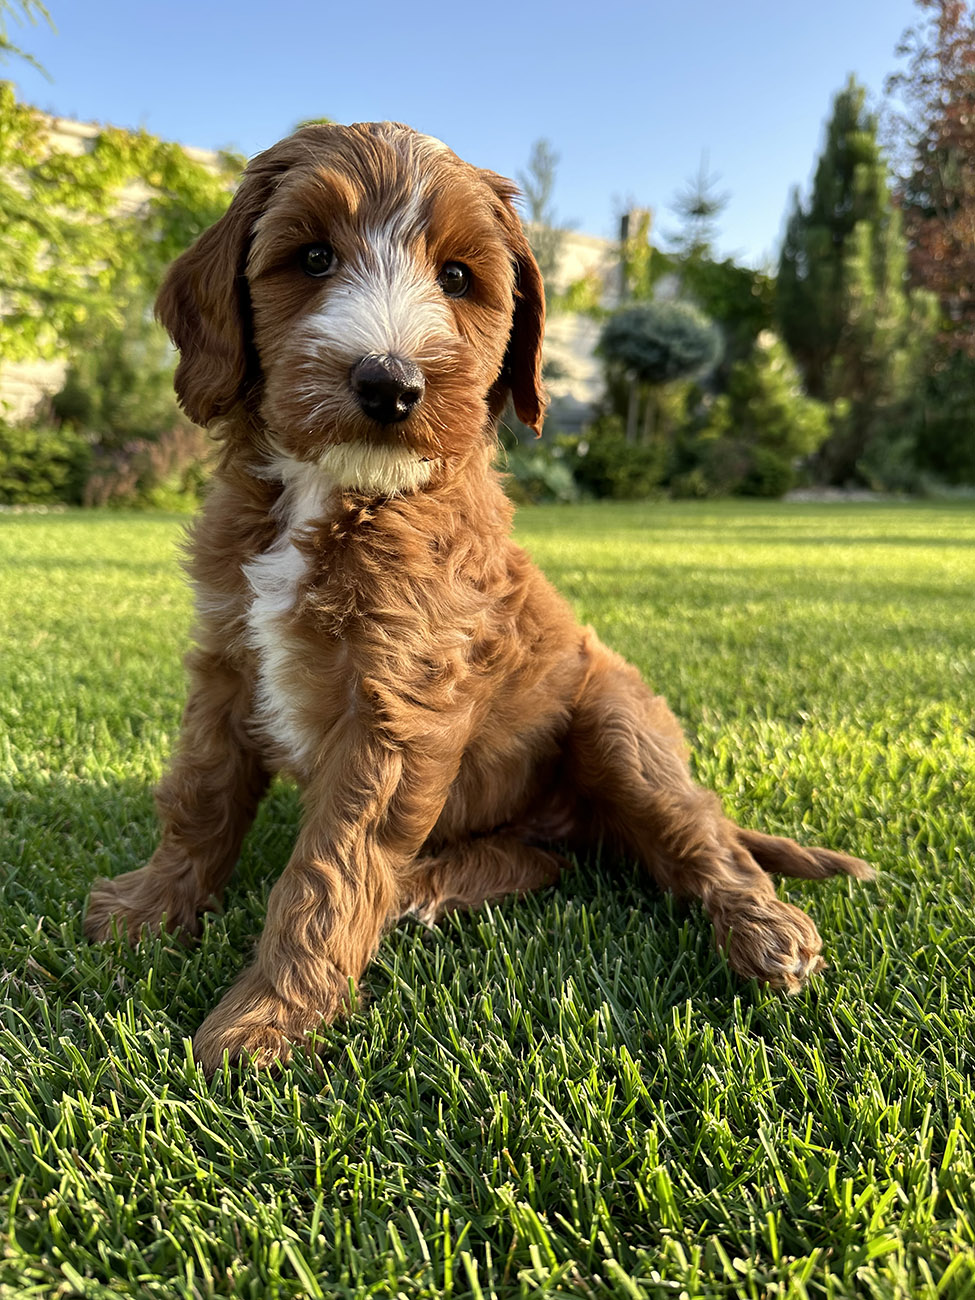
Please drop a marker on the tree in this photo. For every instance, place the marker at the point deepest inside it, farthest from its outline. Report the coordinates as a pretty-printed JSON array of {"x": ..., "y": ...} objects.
[
  {"x": 738, "y": 298},
  {"x": 935, "y": 132},
  {"x": 85, "y": 235},
  {"x": 655, "y": 343},
  {"x": 936, "y": 187},
  {"x": 23, "y": 11},
  {"x": 842, "y": 301},
  {"x": 537, "y": 183},
  {"x": 699, "y": 206}
]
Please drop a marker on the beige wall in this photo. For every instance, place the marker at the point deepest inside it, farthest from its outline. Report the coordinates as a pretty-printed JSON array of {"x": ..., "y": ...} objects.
[
  {"x": 25, "y": 384},
  {"x": 570, "y": 338}
]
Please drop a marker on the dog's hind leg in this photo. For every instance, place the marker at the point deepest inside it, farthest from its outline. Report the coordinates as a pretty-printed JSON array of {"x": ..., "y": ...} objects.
[
  {"x": 206, "y": 803},
  {"x": 464, "y": 875},
  {"x": 628, "y": 760}
]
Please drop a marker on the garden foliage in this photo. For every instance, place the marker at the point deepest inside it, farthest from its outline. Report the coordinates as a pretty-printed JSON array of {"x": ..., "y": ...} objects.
[
  {"x": 853, "y": 365},
  {"x": 87, "y": 238}
]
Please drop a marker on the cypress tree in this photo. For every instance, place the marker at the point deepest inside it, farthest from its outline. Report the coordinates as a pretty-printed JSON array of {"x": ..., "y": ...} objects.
[{"x": 842, "y": 298}]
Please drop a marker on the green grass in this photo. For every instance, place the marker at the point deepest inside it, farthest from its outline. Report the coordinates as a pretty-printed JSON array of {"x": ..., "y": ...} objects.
[{"x": 568, "y": 1093}]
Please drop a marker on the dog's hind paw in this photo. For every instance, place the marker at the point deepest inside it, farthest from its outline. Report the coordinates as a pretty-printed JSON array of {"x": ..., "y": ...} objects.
[
  {"x": 771, "y": 941},
  {"x": 785, "y": 857}
]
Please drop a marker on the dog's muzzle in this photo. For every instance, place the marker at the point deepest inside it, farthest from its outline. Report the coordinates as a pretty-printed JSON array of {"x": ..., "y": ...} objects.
[{"x": 387, "y": 388}]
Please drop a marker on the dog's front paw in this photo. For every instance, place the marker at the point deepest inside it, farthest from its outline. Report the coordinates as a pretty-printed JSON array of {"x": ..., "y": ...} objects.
[
  {"x": 771, "y": 941},
  {"x": 137, "y": 901},
  {"x": 259, "y": 1041},
  {"x": 252, "y": 1023}
]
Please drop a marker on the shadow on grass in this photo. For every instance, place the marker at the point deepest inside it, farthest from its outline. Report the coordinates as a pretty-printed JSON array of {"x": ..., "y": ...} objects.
[{"x": 59, "y": 834}]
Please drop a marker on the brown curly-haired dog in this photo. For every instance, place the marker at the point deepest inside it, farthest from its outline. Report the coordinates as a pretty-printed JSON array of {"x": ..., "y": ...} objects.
[{"x": 351, "y": 331}]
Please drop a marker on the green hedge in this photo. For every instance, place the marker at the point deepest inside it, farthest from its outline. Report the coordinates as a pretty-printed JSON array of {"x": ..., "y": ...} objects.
[{"x": 42, "y": 466}]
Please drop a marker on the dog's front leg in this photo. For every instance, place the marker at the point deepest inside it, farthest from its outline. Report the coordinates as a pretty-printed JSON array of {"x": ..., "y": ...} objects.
[
  {"x": 368, "y": 809},
  {"x": 206, "y": 802}
]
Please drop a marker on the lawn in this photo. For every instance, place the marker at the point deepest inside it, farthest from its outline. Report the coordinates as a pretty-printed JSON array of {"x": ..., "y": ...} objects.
[{"x": 568, "y": 1093}]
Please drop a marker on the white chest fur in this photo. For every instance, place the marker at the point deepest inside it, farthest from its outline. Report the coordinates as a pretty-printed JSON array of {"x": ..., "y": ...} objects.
[{"x": 276, "y": 578}]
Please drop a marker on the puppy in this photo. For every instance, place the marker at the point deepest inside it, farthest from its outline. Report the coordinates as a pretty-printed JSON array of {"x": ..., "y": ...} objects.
[{"x": 350, "y": 331}]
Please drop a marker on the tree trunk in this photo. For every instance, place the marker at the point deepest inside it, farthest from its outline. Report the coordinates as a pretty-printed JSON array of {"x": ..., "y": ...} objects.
[
  {"x": 650, "y": 416},
  {"x": 632, "y": 412}
]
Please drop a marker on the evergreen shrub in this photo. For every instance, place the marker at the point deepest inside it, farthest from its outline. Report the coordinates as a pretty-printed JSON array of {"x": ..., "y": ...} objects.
[{"x": 42, "y": 466}]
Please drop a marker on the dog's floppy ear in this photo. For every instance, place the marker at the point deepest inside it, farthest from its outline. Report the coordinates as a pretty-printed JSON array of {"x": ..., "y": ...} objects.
[
  {"x": 205, "y": 306},
  {"x": 521, "y": 374}
]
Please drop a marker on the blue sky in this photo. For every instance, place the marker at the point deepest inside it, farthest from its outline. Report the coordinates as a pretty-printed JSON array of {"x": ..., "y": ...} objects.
[{"x": 630, "y": 95}]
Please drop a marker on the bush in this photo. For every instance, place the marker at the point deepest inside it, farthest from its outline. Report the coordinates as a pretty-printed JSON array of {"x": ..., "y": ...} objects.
[
  {"x": 613, "y": 467},
  {"x": 709, "y": 463},
  {"x": 770, "y": 474},
  {"x": 118, "y": 395},
  {"x": 119, "y": 387},
  {"x": 753, "y": 436},
  {"x": 714, "y": 463},
  {"x": 889, "y": 463},
  {"x": 165, "y": 474},
  {"x": 539, "y": 472},
  {"x": 944, "y": 421},
  {"x": 42, "y": 466}
]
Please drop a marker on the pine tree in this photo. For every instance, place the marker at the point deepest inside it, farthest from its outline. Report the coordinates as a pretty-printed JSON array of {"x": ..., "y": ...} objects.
[
  {"x": 843, "y": 305},
  {"x": 699, "y": 205}
]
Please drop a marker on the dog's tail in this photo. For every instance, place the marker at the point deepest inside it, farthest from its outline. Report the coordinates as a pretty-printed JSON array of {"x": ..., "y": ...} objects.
[{"x": 782, "y": 857}]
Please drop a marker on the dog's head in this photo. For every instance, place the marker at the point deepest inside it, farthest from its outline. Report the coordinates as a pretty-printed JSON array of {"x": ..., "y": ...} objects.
[{"x": 365, "y": 286}]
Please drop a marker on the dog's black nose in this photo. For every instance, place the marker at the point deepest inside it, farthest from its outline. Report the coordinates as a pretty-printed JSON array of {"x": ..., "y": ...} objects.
[{"x": 387, "y": 388}]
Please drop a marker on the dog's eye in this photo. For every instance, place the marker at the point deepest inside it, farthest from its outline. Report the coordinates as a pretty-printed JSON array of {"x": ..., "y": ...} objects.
[
  {"x": 455, "y": 279},
  {"x": 317, "y": 259}
]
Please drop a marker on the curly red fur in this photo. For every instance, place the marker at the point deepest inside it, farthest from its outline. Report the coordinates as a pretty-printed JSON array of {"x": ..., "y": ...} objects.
[{"x": 365, "y": 621}]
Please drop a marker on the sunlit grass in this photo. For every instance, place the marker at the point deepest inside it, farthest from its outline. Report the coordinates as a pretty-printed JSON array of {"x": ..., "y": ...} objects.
[{"x": 567, "y": 1093}]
